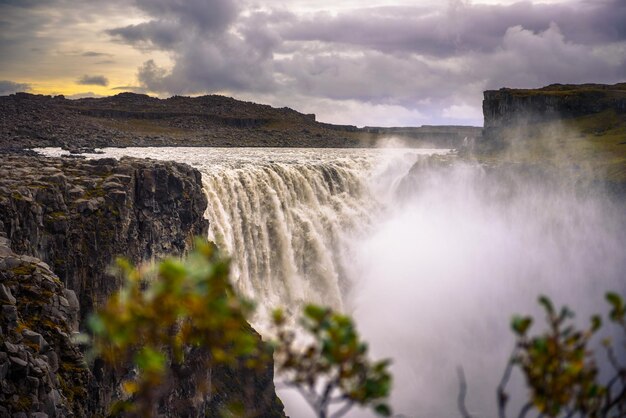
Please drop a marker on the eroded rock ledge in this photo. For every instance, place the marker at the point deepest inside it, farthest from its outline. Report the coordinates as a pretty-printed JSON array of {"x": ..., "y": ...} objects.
[
  {"x": 78, "y": 215},
  {"x": 62, "y": 223}
]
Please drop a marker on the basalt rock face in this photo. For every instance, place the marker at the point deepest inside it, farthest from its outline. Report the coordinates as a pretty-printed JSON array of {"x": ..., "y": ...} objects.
[
  {"x": 77, "y": 216},
  {"x": 505, "y": 107},
  {"x": 62, "y": 223},
  {"x": 41, "y": 369}
]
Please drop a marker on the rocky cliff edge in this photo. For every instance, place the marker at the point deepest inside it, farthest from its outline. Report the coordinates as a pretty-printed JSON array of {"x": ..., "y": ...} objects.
[{"x": 62, "y": 223}]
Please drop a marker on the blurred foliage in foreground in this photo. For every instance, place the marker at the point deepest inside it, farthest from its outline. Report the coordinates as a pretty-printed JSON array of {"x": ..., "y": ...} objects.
[
  {"x": 159, "y": 313},
  {"x": 333, "y": 368},
  {"x": 163, "y": 311},
  {"x": 561, "y": 369}
]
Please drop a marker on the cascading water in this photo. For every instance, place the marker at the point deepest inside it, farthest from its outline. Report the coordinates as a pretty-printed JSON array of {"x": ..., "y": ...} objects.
[
  {"x": 286, "y": 227},
  {"x": 287, "y": 217},
  {"x": 432, "y": 260}
]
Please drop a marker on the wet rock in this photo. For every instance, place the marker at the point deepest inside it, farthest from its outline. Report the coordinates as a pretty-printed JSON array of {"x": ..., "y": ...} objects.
[
  {"x": 53, "y": 361},
  {"x": 5, "y": 250},
  {"x": 4, "y": 369},
  {"x": 9, "y": 313},
  {"x": 18, "y": 362},
  {"x": 11, "y": 348},
  {"x": 35, "y": 339},
  {"x": 90, "y": 205},
  {"x": 6, "y": 296}
]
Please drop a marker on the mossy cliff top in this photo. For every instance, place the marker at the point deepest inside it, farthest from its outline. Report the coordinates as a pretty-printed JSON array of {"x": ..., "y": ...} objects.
[
  {"x": 557, "y": 101},
  {"x": 578, "y": 127}
]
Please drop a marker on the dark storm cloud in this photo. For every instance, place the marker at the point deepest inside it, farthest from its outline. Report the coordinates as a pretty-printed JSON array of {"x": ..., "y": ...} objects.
[
  {"x": 9, "y": 87},
  {"x": 211, "y": 65},
  {"x": 157, "y": 34},
  {"x": 26, "y": 3},
  {"x": 459, "y": 28},
  {"x": 173, "y": 19},
  {"x": 208, "y": 55},
  {"x": 94, "y": 80},
  {"x": 207, "y": 15}
]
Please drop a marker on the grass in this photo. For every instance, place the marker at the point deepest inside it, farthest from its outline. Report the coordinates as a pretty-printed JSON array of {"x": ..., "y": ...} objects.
[{"x": 608, "y": 92}]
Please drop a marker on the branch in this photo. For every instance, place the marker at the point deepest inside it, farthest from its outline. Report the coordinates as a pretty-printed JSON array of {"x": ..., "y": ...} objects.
[
  {"x": 344, "y": 409},
  {"x": 619, "y": 398},
  {"x": 503, "y": 398},
  {"x": 338, "y": 399},
  {"x": 327, "y": 392},
  {"x": 309, "y": 397},
  {"x": 610, "y": 353},
  {"x": 462, "y": 393},
  {"x": 525, "y": 410}
]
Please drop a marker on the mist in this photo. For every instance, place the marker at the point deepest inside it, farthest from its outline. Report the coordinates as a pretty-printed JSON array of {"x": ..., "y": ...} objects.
[{"x": 458, "y": 251}]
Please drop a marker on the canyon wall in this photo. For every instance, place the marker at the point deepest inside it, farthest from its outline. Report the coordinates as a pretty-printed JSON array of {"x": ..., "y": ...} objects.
[
  {"x": 505, "y": 107},
  {"x": 62, "y": 223}
]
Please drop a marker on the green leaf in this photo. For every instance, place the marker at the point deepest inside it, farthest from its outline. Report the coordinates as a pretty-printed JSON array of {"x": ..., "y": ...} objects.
[
  {"x": 317, "y": 313},
  {"x": 540, "y": 344},
  {"x": 278, "y": 316},
  {"x": 150, "y": 360},
  {"x": 596, "y": 323},
  {"x": 96, "y": 324},
  {"x": 547, "y": 304},
  {"x": 615, "y": 300},
  {"x": 383, "y": 410},
  {"x": 521, "y": 324},
  {"x": 170, "y": 269}
]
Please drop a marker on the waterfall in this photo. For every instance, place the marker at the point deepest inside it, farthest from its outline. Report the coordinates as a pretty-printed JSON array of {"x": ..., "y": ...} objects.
[
  {"x": 286, "y": 227},
  {"x": 289, "y": 217}
]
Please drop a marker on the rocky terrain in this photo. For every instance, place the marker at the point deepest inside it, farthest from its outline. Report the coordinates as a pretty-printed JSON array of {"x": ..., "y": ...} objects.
[
  {"x": 62, "y": 223},
  {"x": 129, "y": 119},
  {"x": 42, "y": 372}
]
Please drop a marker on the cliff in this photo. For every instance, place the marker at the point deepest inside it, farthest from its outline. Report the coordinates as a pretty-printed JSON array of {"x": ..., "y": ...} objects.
[
  {"x": 129, "y": 119},
  {"x": 579, "y": 128},
  {"x": 78, "y": 215},
  {"x": 41, "y": 369},
  {"x": 63, "y": 221},
  {"x": 505, "y": 107}
]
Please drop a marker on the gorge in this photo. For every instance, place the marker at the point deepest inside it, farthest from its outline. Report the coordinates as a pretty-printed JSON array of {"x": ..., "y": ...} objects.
[{"x": 431, "y": 251}]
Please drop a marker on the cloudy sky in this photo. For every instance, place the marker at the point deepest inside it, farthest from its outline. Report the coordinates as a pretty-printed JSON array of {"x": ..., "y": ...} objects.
[{"x": 363, "y": 62}]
